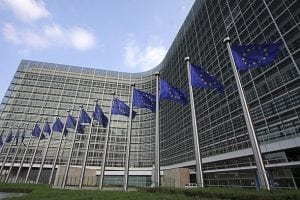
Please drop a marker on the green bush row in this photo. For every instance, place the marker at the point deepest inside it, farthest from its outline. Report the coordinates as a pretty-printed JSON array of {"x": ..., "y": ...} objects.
[{"x": 229, "y": 193}]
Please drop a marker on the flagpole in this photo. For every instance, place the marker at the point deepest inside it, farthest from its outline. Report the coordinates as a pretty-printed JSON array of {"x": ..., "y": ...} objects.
[
  {"x": 199, "y": 172},
  {"x": 71, "y": 151},
  {"x": 44, "y": 156},
  {"x": 14, "y": 157},
  {"x": 86, "y": 151},
  {"x": 262, "y": 174},
  {"x": 2, "y": 147},
  {"x": 106, "y": 145},
  {"x": 157, "y": 136},
  {"x": 127, "y": 156},
  {"x": 9, "y": 148},
  {"x": 57, "y": 152},
  {"x": 23, "y": 158},
  {"x": 35, "y": 150}
]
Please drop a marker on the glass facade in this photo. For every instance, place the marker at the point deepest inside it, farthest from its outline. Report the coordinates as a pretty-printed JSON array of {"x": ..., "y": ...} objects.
[{"x": 272, "y": 94}]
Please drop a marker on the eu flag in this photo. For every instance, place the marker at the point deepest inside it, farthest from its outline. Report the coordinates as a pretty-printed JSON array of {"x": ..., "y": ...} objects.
[
  {"x": 9, "y": 137},
  {"x": 47, "y": 128},
  {"x": 120, "y": 108},
  {"x": 84, "y": 118},
  {"x": 71, "y": 122},
  {"x": 202, "y": 79},
  {"x": 254, "y": 55},
  {"x": 172, "y": 93},
  {"x": 23, "y": 136},
  {"x": 144, "y": 100},
  {"x": 36, "y": 131},
  {"x": 1, "y": 140},
  {"x": 17, "y": 137},
  {"x": 99, "y": 116},
  {"x": 58, "y": 126}
]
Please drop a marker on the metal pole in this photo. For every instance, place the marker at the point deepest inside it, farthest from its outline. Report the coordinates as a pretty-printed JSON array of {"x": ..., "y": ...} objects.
[
  {"x": 23, "y": 158},
  {"x": 157, "y": 136},
  {"x": 71, "y": 151},
  {"x": 14, "y": 158},
  {"x": 7, "y": 153},
  {"x": 57, "y": 153},
  {"x": 127, "y": 156},
  {"x": 86, "y": 151},
  {"x": 106, "y": 145},
  {"x": 199, "y": 172},
  {"x": 44, "y": 156},
  {"x": 35, "y": 150},
  {"x": 262, "y": 174}
]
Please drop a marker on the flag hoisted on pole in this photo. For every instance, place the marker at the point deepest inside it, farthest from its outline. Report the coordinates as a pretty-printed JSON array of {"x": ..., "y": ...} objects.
[
  {"x": 262, "y": 174},
  {"x": 255, "y": 55},
  {"x": 157, "y": 136},
  {"x": 169, "y": 92},
  {"x": 1, "y": 140},
  {"x": 48, "y": 130},
  {"x": 58, "y": 126},
  {"x": 71, "y": 123},
  {"x": 199, "y": 172},
  {"x": 16, "y": 152},
  {"x": 87, "y": 145},
  {"x": 103, "y": 163},
  {"x": 9, "y": 139},
  {"x": 131, "y": 114},
  {"x": 24, "y": 154},
  {"x": 144, "y": 100},
  {"x": 40, "y": 134}
]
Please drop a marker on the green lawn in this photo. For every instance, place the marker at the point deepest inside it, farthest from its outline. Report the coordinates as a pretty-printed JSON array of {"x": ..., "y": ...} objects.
[{"x": 43, "y": 192}]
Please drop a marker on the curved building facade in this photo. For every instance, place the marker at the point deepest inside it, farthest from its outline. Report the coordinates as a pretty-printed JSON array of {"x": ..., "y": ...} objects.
[{"x": 272, "y": 94}]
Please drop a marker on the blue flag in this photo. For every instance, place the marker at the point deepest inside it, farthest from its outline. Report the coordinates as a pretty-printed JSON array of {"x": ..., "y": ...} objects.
[
  {"x": 23, "y": 136},
  {"x": 1, "y": 140},
  {"x": 254, "y": 55},
  {"x": 202, "y": 79},
  {"x": 120, "y": 108},
  {"x": 17, "y": 137},
  {"x": 144, "y": 100},
  {"x": 169, "y": 92},
  {"x": 47, "y": 128},
  {"x": 9, "y": 137},
  {"x": 36, "y": 131},
  {"x": 71, "y": 123},
  {"x": 84, "y": 118},
  {"x": 99, "y": 116},
  {"x": 58, "y": 126}
]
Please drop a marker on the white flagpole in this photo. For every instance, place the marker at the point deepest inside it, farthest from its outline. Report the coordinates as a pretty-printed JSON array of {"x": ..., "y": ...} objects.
[
  {"x": 57, "y": 152},
  {"x": 127, "y": 156},
  {"x": 2, "y": 147},
  {"x": 35, "y": 150},
  {"x": 262, "y": 174},
  {"x": 44, "y": 156},
  {"x": 157, "y": 136},
  {"x": 71, "y": 151},
  {"x": 23, "y": 158},
  {"x": 199, "y": 172},
  {"x": 86, "y": 151},
  {"x": 14, "y": 157},
  {"x": 106, "y": 145},
  {"x": 9, "y": 148}
]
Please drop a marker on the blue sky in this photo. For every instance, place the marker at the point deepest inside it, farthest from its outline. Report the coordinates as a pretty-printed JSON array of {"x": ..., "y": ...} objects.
[{"x": 122, "y": 35}]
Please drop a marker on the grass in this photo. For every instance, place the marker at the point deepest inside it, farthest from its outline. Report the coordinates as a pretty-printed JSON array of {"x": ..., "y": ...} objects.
[{"x": 45, "y": 192}]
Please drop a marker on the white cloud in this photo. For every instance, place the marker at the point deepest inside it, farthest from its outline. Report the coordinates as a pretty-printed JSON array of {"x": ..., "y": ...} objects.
[
  {"x": 82, "y": 39},
  {"x": 143, "y": 59},
  {"x": 27, "y": 10},
  {"x": 50, "y": 36},
  {"x": 10, "y": 34}
]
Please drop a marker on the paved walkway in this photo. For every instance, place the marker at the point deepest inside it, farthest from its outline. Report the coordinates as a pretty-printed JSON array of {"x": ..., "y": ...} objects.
[{"x": 5, "y": 195}]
